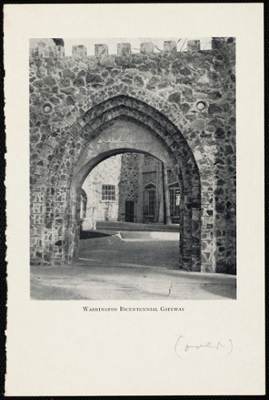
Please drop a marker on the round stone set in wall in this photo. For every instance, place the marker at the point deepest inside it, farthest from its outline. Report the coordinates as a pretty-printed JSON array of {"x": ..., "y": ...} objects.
[
  {"x": 201, "y": 105},
  {"x": 47, "y": 108}
]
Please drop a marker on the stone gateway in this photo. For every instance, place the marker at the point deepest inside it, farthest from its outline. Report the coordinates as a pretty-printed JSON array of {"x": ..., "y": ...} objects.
[{"x": 178, "y": 107}]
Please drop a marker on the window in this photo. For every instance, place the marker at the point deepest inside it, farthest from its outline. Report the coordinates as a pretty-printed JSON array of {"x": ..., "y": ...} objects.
[
  {"x": 149, "y": 200},
  {"x": 108, "y": 192},
  {"x": 174, "y": 200}
]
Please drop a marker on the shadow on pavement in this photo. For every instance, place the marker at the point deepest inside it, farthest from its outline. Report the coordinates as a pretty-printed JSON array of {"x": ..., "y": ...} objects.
[
  {"x": 92, "y": 235},
  {"x": 227, "y": 291}
]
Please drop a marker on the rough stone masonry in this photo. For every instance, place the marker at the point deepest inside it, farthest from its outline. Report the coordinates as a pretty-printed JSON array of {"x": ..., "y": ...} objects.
[{"x": 176, "y": 106}]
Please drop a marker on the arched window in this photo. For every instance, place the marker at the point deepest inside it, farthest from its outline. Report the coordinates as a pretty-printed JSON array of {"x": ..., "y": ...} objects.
[{"x": 150, "y": 200}]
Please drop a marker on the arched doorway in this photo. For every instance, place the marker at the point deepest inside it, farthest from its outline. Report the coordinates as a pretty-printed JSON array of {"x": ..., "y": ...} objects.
[
  {"x": 124, "y": 129},
  {"x": 150, "y": 203},
  {"x": 122, "y": 124}
]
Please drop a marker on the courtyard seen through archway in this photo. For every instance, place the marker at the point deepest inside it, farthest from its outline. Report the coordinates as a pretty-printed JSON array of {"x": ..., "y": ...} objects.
[{"x": 125, "y": 195}]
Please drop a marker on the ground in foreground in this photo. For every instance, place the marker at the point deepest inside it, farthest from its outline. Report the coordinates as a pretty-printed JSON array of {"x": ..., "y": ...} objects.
[{"x": 122, "y": 268}]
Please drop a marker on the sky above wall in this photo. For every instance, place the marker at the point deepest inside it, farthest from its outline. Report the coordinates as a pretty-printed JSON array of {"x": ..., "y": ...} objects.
[{"x": 135, "y": 43}]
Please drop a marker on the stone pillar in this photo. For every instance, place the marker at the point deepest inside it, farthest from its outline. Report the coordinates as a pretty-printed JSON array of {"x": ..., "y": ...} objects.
[
  {"x": 196, "y": 227},
  {"x": 77, "y": 228},
  {"x": 140, "y": 189},
  {"x": 37, "y": 221},
  {"x": 59, "y": 47},
  {"x": 186, "y": 228},
  {"x": 225, "y": 210},
  {"x": 100, "y": 50},
  {"x": 193, "y": 45},
  {"x": 219, "y": 213},
  {"x": 79, "y": 51},
  {"x": 123, "y": 49},
  {"x": 218, "y": 42},
  {"x": 45, "y": 48},
  {"x": 208, "y": 262},
  {"x": 170, "y": 46},
  {"x": 167, "y": 214},
  {"x": 71, "y": 234},
  {"x": 146, "y": 47},
  {"x": 160, "y": 193},
  {"x": 231, "y": 241}
]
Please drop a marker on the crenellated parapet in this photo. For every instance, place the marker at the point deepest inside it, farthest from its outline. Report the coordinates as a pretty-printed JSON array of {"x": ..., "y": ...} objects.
[{"x": 44, "y": 48}]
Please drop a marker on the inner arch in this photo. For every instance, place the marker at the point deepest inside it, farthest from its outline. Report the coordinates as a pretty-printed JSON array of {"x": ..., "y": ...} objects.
[{"x": 121, "y": 135}]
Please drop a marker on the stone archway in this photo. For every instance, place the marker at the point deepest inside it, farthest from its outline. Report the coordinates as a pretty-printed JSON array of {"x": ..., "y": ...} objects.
[
  {"x": 92, "y": 131},
  {"x": 122, "y": 128},
  {"x": 186, "y": 99}
]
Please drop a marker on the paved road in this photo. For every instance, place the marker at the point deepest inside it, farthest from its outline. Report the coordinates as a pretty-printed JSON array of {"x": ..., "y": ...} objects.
[{"x": 114, "y": 269}]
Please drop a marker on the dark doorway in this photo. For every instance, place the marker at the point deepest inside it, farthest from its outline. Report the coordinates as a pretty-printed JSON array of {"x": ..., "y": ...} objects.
[
  {"x": 150, "y": 203},
  {"x": 129, "y": 211}
]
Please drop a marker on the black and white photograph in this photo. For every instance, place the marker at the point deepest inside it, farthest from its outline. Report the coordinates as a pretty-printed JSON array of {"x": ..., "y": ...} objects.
[
  {"x": 133, "y": 168},
  {"x": 134, "y": 199}
]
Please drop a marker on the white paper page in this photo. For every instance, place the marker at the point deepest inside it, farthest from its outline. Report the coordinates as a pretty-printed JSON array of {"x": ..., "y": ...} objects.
[{"x": 54, "y": 347}]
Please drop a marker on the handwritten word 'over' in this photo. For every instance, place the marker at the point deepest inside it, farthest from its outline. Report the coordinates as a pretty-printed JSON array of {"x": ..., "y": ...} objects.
[{"x": 183, "y": 348}]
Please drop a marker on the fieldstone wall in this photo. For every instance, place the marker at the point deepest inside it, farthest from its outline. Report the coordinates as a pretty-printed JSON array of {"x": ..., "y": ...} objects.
[
  {"x": 129, "y": 184},
  {"x": 186, "y": 101}
]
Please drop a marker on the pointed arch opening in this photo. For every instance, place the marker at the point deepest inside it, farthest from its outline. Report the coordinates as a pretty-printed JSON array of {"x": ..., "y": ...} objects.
[{"x": 117, "y": 125}]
